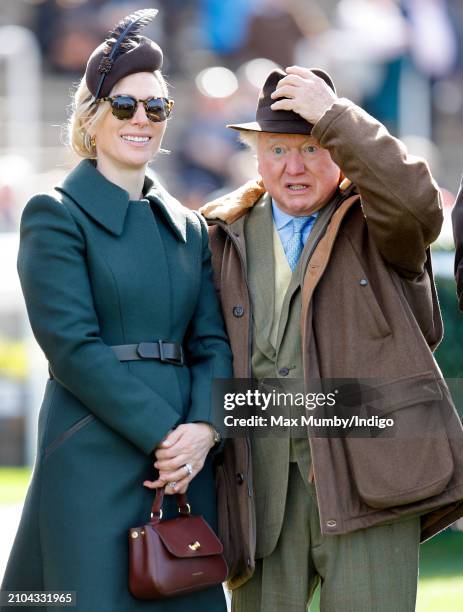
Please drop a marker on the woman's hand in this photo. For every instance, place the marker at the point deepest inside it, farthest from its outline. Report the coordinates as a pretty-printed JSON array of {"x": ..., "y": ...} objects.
[{"x": 189, "y": 444}]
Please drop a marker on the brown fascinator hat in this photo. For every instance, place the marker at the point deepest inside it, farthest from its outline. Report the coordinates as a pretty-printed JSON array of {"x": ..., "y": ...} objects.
[
  {"x": 123, "y": 52},
  {"x": 279, "y": 121}
]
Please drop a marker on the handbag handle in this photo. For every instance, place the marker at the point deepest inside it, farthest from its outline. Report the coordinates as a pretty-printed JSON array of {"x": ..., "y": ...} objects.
[{"x": 156, "y": 509}]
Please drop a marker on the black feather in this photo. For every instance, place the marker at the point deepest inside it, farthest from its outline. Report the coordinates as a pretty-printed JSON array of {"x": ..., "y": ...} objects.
[
  {"x": 126, "y": 32},
  {"x": 124, "y": 36}
]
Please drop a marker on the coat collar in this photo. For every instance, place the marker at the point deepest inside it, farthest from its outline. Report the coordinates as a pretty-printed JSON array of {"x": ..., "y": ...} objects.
[
  {"x": 174, "y": 212},
  {"x": 232, "y": 206},
  {"x": 107, "y": 204}
]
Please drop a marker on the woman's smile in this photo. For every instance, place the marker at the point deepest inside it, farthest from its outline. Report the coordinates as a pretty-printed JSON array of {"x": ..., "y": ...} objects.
[{"x": 137, "y": 140}]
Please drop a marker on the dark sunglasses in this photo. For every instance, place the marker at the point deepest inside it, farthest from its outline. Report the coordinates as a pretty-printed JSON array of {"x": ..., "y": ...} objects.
[{"x": 125, "y": 107}]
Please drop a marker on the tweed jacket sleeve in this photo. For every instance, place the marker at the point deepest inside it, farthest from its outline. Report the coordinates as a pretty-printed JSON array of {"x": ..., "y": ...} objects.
[
  {"x": 401, "y": 201},
  {"x": 457, "y": 222},
  {"x": 58, "y": 294},
  {"x": 207, "y": 347}
]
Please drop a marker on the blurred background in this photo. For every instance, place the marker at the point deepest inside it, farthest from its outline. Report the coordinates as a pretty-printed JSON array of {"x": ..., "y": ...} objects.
[{"x": 402, "y": 60}]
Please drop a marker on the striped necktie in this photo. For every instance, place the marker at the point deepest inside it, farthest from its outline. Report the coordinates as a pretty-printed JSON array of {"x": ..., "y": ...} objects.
[{"x": 295, "y": 244}]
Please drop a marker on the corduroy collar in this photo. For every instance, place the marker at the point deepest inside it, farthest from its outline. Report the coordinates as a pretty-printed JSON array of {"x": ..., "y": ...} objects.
[{"x": 107, "y": 203}]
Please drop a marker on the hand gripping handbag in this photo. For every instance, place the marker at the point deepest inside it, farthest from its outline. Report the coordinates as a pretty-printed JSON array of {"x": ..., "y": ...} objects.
[{"x": 176, "y": 556}]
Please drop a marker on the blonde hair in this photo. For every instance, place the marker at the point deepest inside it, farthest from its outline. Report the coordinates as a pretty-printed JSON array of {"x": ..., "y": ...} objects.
[{"x": 86, "y": 115}]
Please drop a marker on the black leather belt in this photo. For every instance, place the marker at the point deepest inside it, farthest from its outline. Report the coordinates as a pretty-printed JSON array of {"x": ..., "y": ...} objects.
[{"x": 167, "y": 352}]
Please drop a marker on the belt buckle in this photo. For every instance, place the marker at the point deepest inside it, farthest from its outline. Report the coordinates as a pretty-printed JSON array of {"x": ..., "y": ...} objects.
[{"x": 165, "y": 359}]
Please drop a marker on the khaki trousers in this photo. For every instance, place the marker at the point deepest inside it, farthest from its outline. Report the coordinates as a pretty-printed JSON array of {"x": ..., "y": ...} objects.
[{"x": 370, "y": 570}]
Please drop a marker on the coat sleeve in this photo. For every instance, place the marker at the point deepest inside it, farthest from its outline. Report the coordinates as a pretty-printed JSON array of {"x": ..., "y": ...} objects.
[
  {"x": 58, "y": 294},
  {"x": 457, "y": 222},
  {"x": 208, "y": 352},
  {"x": 401, "y": 202}
]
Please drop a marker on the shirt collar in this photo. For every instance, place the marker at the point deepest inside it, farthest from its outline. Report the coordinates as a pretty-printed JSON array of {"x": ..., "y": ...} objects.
[{"x": 281, "y": 219}]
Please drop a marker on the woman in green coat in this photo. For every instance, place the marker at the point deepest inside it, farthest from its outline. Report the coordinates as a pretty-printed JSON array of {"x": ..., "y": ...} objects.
[{"x": 117, "y": 281}]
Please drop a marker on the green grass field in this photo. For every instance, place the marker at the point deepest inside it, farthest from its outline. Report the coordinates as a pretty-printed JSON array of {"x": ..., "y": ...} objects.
[
  {"x": 441, "y": 574},
  {"x": 440, "y": 587}
]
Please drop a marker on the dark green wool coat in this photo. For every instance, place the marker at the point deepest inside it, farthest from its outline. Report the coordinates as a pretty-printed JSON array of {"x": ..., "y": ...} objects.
[{"x": 98, "y": 270}]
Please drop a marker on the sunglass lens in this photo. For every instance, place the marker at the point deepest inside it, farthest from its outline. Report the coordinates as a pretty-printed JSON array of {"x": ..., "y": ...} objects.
[
  {"x": 157, "y": 109},
  {"x": 123, "y": 107}
]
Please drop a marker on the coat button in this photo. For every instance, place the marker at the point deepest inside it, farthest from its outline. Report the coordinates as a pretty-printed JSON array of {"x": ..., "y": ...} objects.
[
  {"x": 363, "y": 282},
  {"x": 331, "y": 523},
  {"x": 238, "y": 311},
  {"x": 283, "y": 371},
  {"x": 239, "y": 478}
]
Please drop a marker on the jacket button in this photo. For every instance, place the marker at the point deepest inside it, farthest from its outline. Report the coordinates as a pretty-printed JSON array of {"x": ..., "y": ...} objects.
[
  {"x": 331, "y": 523},
  {"x": 283, "y": 371},
  {"x": 238, "y": 311},
  {"x": 239, "y": 478},
  {"x": 363, "y": 282}
]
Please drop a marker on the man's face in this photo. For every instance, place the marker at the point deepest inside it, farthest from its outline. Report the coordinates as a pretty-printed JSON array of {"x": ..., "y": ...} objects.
[{"x": 299, "y": 175}]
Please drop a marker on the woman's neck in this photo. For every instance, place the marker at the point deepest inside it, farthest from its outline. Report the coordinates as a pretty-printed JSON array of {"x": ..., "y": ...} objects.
[{"x": 130, "y": 179}]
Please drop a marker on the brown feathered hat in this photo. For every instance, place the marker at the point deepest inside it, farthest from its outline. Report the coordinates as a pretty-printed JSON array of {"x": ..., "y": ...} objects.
[{"x": 124, "y": 52}]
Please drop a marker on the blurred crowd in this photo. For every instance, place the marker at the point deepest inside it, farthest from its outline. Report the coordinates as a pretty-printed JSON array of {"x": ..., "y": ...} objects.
[{"x": 402, "y": 60}]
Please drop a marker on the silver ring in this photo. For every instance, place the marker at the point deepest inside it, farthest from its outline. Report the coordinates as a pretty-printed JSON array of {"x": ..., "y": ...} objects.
[
  {"x": 188, "y": 468},
  {"x": 172, "y": 484}
]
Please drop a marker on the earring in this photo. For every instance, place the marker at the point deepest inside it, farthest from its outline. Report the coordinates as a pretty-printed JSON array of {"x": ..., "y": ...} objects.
[{"x": 92, "y": 142}]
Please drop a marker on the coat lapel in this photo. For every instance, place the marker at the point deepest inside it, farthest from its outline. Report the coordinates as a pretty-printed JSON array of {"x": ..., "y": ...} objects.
[
  {"x": 259, "y": 241},
  {"x": 107, "y": 204},
  {"x": 103, "y": 201},
  {"x": 171, "y": 209}
]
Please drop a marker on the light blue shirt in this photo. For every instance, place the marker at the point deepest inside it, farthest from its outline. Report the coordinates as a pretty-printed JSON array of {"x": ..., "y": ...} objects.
[{"x": 284, "y": 226}]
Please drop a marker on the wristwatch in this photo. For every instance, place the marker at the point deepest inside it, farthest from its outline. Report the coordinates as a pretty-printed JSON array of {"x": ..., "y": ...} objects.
[{"x": 217, "y": 436}]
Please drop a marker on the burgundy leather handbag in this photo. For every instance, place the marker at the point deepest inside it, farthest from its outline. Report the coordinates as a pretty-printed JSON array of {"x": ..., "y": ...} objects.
[{"x": 175, "y": 556}]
